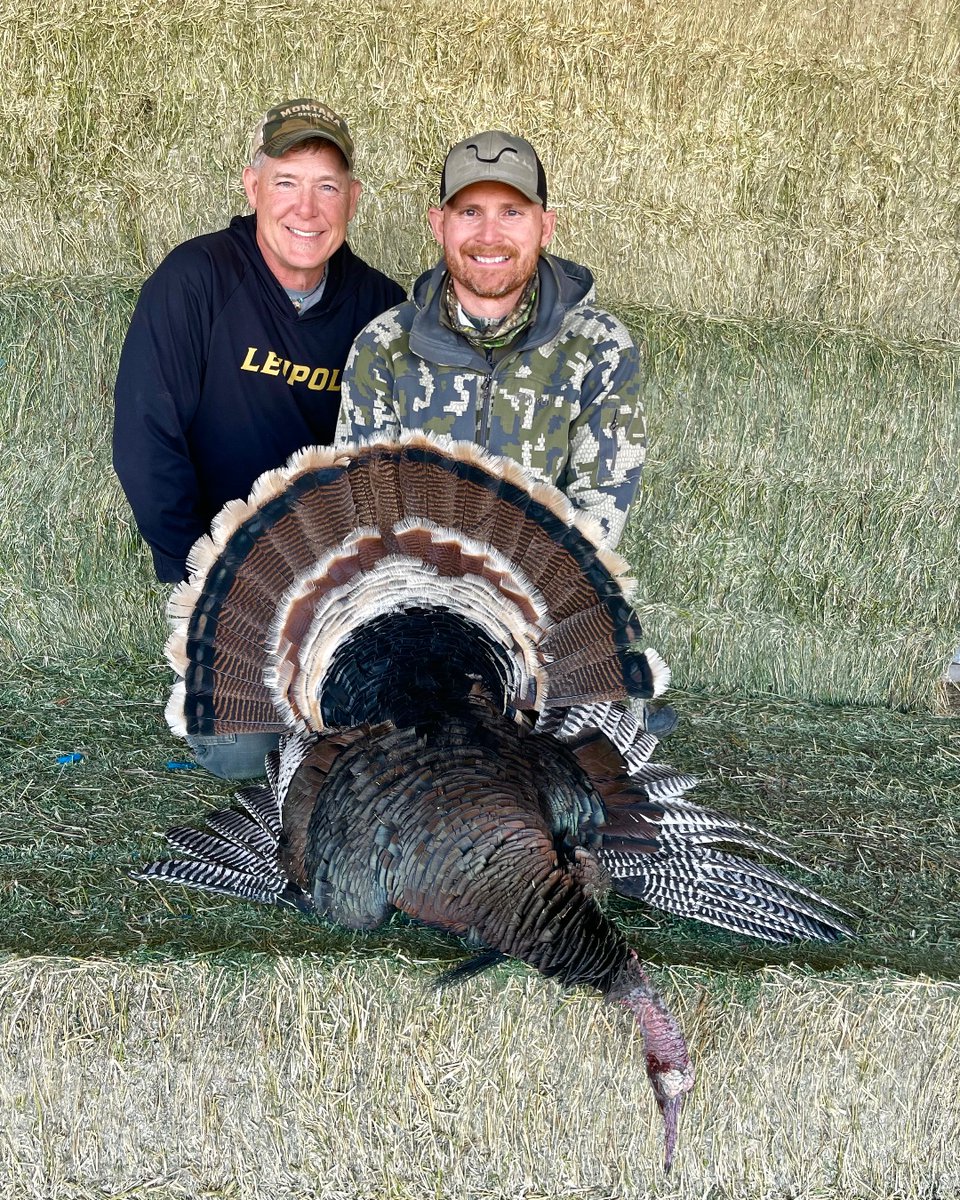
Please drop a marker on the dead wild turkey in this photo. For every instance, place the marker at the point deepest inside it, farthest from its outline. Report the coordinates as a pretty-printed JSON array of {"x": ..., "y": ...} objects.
[{"x": 449, "y": 650}]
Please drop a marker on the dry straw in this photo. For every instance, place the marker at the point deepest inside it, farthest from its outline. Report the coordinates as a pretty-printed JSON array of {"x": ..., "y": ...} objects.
[
  {"x": 344, "y": 1080},
  {"x": 758, "y": 160},
  {"x": 766, "y": 194}
]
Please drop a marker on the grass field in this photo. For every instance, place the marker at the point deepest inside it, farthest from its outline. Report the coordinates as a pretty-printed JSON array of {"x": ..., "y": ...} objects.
[
  {"x": 158, "y": 1044},
  {"x": 768, "y": 196}
]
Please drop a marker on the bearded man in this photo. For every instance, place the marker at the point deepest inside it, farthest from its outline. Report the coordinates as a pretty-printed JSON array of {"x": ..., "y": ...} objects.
[{"x": 502, "y": 344}]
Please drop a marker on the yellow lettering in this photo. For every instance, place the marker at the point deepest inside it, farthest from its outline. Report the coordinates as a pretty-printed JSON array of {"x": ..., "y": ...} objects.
[
  {"x": 272, "y": 365},
  {"x": 318, "y": 380},
  {"x": 298, "y": 374},
  {"x": 248, "y": 363},
  {"x": 335, "y": 381}
]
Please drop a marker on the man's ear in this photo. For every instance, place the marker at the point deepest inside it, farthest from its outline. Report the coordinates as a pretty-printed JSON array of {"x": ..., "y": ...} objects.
[
  {"x": 435, "y": 217},
  {"x": 251, "y": 181},
  {"x": 356, "y": 187},
  {"x": 549, "y": 225}
]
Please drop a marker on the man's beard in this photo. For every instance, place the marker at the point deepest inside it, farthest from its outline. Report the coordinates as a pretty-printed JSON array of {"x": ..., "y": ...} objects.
[{"x": 487, "y": 283}]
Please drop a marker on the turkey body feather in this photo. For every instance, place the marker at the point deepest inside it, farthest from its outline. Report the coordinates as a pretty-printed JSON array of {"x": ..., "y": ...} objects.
[{"x": 450, "y": 650}]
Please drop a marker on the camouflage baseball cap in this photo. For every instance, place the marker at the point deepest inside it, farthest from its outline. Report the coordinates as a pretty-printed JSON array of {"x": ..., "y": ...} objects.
[
  {"x": 498, "y": 157},
  {"x": 295, "y": 121}
]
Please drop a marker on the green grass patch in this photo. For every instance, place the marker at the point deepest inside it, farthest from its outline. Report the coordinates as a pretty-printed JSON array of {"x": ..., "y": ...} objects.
[
  {"x": 868, "y": 799},
  {"x": 160, "y": 1044}
]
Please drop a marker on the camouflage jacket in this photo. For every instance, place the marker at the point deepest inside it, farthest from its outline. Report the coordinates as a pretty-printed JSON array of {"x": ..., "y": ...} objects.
[{"x": 564, "y": 399}]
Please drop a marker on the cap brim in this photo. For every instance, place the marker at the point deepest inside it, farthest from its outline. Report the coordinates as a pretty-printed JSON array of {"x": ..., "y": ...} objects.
[
  {"x": 488, "y": 175},
  {"x": 279, "y": 145}
]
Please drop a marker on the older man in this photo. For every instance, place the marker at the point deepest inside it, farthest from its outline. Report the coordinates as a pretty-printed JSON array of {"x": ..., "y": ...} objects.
[
  {"x": 502, "y": 343},
  {"x": 234, "y": 356}
]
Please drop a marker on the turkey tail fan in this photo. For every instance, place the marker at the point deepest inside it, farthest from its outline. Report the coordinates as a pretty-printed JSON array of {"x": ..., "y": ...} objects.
[
  {"x": 658, "y": 846},
  {"x": 327, "y": 595},
  {"x": 450, "y": 648},
  {"x": 237, "y": 854}
]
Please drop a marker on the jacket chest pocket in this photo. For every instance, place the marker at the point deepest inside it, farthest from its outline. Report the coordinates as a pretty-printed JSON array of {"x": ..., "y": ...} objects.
[
  {"x": 532, "y": 427},
  {"x": 446, "y": 408}
]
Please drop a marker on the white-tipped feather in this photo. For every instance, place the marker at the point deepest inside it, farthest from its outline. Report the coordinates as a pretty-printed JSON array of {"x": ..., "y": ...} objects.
[
  {"x": 202, "y": 555},
  {"x": 267, "y": 487},
  {"x": 315, "y": 458},
  {"x": 183, "y": 600},
  {"x": 437, "y": 796},
  {"x": 589, "y": 527},
  {"x": 513, "y": 473},
  {"x": 617, "y": 565},
  {"x": 389, "y": 585},
  {"x": 174, "y": 712},
  {"x": 553, "y": 501},
  {"x": 229, "y": 519},
  {"x": 175, "y": 652},
  {"x": 466, "y": 452},
  {"x": 659, "y": 670}
]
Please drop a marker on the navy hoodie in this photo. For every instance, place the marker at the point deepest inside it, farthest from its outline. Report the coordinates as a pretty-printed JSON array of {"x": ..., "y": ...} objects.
[{"x": 220, "y": 380}]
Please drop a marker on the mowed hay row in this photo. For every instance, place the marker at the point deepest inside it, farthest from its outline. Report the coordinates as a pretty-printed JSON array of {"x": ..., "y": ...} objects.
[
  {"x": 796, "y": 531},
  {"x": 347, "y": 1079},
  {"x": 795, "y": 160},
  {"x": 797, "y": 526},
  {"x": 74, "y": 577}
]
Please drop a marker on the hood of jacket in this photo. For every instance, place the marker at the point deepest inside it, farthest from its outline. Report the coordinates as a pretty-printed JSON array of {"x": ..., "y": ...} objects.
[{"x": 563, "y": 284}]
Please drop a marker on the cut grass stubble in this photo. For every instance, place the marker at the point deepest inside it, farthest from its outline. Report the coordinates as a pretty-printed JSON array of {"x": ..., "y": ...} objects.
[{"x": 347, "y": 1079}]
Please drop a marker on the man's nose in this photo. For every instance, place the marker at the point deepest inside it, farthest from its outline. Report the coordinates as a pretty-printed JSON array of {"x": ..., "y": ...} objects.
[
  {"x": 308, "y": 202},
  {"x": 489, "y": 229}
]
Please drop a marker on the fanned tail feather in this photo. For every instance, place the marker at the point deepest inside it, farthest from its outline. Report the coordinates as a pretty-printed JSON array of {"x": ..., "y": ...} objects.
[{"x": 243, "y": 637}]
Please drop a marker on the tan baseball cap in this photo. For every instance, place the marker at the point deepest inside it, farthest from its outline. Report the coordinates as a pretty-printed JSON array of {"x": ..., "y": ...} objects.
[
  {"x": 295, "y": 121},
  {"x": 497, "y": 157}
]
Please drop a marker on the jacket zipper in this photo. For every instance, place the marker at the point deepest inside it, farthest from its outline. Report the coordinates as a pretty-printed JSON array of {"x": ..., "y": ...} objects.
[
  {"x": 483, "y": 415},
  {"x": 614, "y": 446}
]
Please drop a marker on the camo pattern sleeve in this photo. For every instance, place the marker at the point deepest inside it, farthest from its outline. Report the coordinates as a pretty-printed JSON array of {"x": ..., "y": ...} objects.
[
  {"x": 608, "y": 435},
  {"x": 366, "y": 397}
]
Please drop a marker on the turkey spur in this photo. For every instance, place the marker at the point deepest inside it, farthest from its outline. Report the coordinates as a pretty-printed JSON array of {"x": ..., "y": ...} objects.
[{"x": 450, "y": 650}]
